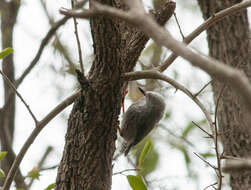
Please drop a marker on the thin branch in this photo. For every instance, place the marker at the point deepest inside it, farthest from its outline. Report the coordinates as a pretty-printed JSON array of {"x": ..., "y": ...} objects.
[
  {"x": 49, "y": 168},
  {"x": 78, "y": 41},
  {"x": 145, "y": 22},
  {"x": 197, "y": 93},
  {"x": 212, "y": 185},
  {"x": 157, "y": 75},
  {"x": 40, "y": 125},
  {"x": 44, "y": 42},
  {"x": 204, "y": 26},
  {"x": 19, "y": 95},
  {"x": 41, "y": 162},
  {"x": 208, "y": 163},
  {"x": 127, "y": 170},
  {"x": 211, "y": 136},
  {"x": 177, "y": 136},
  {"x": 57, "y": 44},
  {"x": 181, "y": 33},
  {"x": 218, "y": 156}
]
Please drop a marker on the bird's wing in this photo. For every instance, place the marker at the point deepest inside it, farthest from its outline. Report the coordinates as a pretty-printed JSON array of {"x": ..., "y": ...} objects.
[{"x": 130, "y": 121}]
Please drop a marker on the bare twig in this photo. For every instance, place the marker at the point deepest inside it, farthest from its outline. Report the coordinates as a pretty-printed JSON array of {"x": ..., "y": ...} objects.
[
  {"x": 212, "y": 185},
  {"x": 19, "y": 95},
  {"x": 157, "y": 75},
  {"x": 49, "y": 168},
  {"x": 218, "y": 155},
  {"x": 208, "y": 163},
  {"x": 204, "y": 26},
  {"x": 40, "y": 125},
  {"x": 44, "y": 42},
  {"x": 177, "y": 136},
  {"x": 127, "y": 170},
  {"x": 145, "y": 22},
  {"x": 41, "y": 162},
  {"x": 78, "y": 41},
  {"x": 197, "y": 93},
  {"x": 177, "y": 21},
  {"x": 211, "y": 136}
]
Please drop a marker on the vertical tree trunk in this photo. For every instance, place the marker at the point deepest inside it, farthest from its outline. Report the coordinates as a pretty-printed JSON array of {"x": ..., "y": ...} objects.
[
  {"x": 92, "y": 126},
  {"x": 229, "y": 42},
  {"x": 9, "y": 11}
]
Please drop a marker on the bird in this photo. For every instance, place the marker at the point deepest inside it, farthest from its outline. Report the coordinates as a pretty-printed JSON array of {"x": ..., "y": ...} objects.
[{"x": 140, "y": 118}]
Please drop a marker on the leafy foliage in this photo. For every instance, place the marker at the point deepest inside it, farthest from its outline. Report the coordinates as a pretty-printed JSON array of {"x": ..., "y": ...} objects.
[
  {"x": 51, "y": 186},
  {"x": 2, "y": 155},
  {"x": 144, "y": 152},
  {"x": 136, "y": 182},
  {"x": 5, "y": 52},
  {"x": 2, "y": 174},
  {"x": 34, "y": 173}
]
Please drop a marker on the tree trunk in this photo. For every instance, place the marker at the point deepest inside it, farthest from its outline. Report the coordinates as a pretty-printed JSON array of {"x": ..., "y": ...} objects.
[
  {"x": 92, "y": 126},
  {"x": 9, "y": 11},
  {"x": 229, "y": 42}
]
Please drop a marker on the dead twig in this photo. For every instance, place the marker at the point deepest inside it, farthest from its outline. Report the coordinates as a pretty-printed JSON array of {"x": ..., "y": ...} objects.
[
  {"x": 177, "y": 21},
  {"x": 208, "y": 163},
  {"x": 204, "y": 26},
  {"x": 210, "y": 136},
  {"x": 212, "y": 185},
  {"x": 158, "y": 75},
  {"x": 40, "y": 125},
  {"x": 197, "y": 93},
  {"x": 127, "y": 170},
  {"x": 40, "y": 164},
  {"x": 77, "y": 39},
  {"x": 19, "y": 95},
  {"x": 139, "y": 18}
]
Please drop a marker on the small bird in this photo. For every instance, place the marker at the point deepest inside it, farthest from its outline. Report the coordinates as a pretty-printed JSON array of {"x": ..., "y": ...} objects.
[{"x": 140, "y": 118}]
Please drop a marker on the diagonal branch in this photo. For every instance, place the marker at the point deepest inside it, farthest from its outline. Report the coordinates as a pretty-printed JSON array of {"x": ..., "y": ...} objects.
[
  {"x": 145, "y": 22},
  {"x": 136, "y": 39},
  {"x": 77, "y": 39},
  {"x": 19, "y": 95},
  {"x": 40, "y": 125},
  {"x": 157, "y": 75},
  {"x": 204, "y": 26},
  {"x": 44, "y": 42}
]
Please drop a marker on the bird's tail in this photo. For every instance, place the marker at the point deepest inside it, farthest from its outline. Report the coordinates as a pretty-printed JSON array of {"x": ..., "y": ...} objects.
[{"x": 123, "y": 150}]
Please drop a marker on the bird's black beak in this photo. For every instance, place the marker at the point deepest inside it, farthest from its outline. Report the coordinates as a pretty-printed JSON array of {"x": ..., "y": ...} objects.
[{"x": 142, "y": 91}]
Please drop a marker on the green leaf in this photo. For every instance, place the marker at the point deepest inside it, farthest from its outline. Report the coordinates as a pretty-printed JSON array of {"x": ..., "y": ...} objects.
[
  {"x": 5, "y": 52},
  {"x": 2, "y": 174},
  {"x": 34, "y": 173},
  {"x": 207, "y": 155},
  {"x": 3, "y": 154},
  {"x": 136, "y": 182},
  {"x": 188, "y": 129},
  {"x": 168, "y": 115},
  {"x": 51, "y": 186},
  {"x": 183, "y": 149},
  {"x": 150, "y": 163},
  {"x": 144, "y": 152}
]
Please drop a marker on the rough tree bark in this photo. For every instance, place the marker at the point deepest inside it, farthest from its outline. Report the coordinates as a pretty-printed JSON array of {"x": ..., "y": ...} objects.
[
  {"x": 9, "y": 12},
  {"x": 92, "y": 125},
  {"x": 229, "y": 42}
]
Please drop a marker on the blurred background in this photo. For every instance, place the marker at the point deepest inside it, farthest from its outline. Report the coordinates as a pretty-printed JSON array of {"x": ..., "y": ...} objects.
[{"x": 171, "y": 163}]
